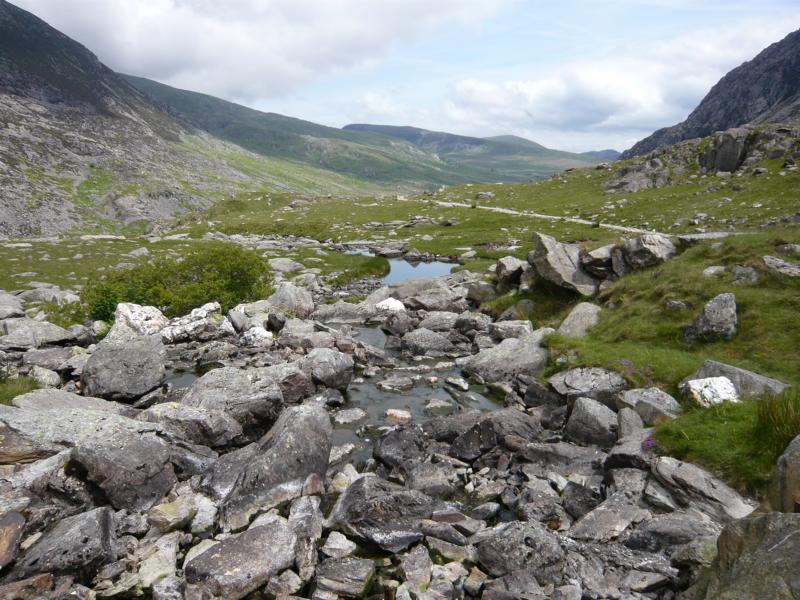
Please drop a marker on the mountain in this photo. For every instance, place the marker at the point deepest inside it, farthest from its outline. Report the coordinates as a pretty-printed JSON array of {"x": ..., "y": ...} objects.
[
  {"x": 606, "y": 155},
  {"x": 763, "y": 90},
  {"x": 503, "y": 158},
  {"x": 83, "y": 150}
]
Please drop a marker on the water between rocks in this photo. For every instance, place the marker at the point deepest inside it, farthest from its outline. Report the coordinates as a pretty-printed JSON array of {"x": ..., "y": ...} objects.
[{"x": 364, "y": 393}]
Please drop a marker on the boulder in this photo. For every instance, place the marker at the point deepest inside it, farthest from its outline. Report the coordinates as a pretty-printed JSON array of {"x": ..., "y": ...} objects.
[
  {"x": 197, "y": 425},
  {"x": 597, "y": 263},
  {"x": 692, "y": 486},
  {"x": 440, "y": 321},
  {"x": 759, "y": 557},
  {"x": 125, "y": 371},
  {"x": 746, "y": 382},
  {"x": 782, "y": 267},
  {"x": 242, "y": 563},
  {"x": 142, "y": 320},
  {"x": 293, "y": 300},
  {"x": 338, "y": 546},
  {"x": 507, "y": 360},
  {"x": 651, "y": 404},
  {"x": 589, "y": 382},
  {"x": 203, "y": 323},
  {"x": 10, "y": 306},
  {"x": 480, "y": 292},
  {"x": 251, "y": 396},
  {"x": 57, "y": 400},
  {"x": 274, "y": 469},
  {"x": 77, "y": 545},
  {"x": 420, "y": 342},
  {"x": 129, "y": 460},
  {"x": 516, "y": 546},
  {"x": 294, "y": 379},
  {"x": 44, "y": 377},
  {"x": 718, "y": 320},
  {"x": 516, "y": 328},
  {"x": 592, "y": 423},
  {"x": 609, "y": 520},
  {"x": 346, "y": 577},
  {"x": 709, "y": 391},
  {"x": 491, "y": 429},
  {"x": 329, "y": 367},
  {"x": 648, "y": 250},
  {"x": 784, "y": 488},
  {"x": 24, "y": 333},
  {"x": 560, "y": 264},
  {"x": 383, "y": 513},
  {"x": 508, "y": 271},
  {"x": 726, "y": 152},
  {"x": 12, "y": 526},
  {"x": 580, "y": 320}
]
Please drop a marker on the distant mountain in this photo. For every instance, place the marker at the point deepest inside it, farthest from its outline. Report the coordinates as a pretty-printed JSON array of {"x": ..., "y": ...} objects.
[
  {"x": 503, "y": 158},
  {"x": 763, "y": 90},
  {"x": 82, "y": 149},
  {"x": 606, "y": 155}
]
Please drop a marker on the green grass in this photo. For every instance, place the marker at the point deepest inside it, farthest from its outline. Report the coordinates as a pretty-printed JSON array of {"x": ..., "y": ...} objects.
[
  {"x": 739, "y": 442},
  {"x": 11, "y": 388}
]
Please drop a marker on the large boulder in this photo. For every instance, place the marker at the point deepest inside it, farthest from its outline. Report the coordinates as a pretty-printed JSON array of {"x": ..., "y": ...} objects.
[
  {"x": 197, "y": 425},
  {"x": 129, "y": 460},
  {"x": 746, "y": 382},
  {"x": 580, "y": 320},
  {"x": 126, "y": 370},
  {"x": 293, "y": 300},
  {"x": 718, "y": 320},
  {"x": 693, "y": 487},
  {"x": 648, "y": 250},
  {"x": 507, "y": 360},
  {"x": 77, "y": 545},
  {"x": 759, "y": 557},
  {"x": 589, "y": 382},
  {"x": 727, "y": 151},
  {"x": 440, "y": 320},
  {"x": 24, "y": 333},
  {"x": 784, "y": 489},
  {"x": 383, "y": 513},
  {"x": 10, "y": 306},
  {"x": 651, "y": 404},
  {"x": 560, "y": 264},
  {"x": 274, "y": 469},
  {"x": 56, "y": 400},
  {"x": 142, "y": 320},
  {"x": 238, "y": 565},
  {"x": 420, "y": 342},
  {"x": 490, "y": 430},
  {"x": 508, "y": 272},
  {"x": 329, "y": 367},
  {"x": 592, "y": 423},
  {"x": 251, "y": 396},
  {"x": 516, "y": 546}
]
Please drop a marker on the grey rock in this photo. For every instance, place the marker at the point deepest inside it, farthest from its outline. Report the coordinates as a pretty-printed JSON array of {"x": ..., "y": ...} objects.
[
  {"x": 160, "y": 560},
  {"x": 745, "y": 275},
  {"x": 781, "y": 266},
  {"x": 240, "y": 564},
  {"x": 305, "y": 519},
  {"x": 628, "y": 422},
  {"x": 598, "y": 263},
  {"x": 648, "y": 250},
  {"x": 274, "y": 469},
  {"x": 784, "y": 489},
  {"x": 480, "y": 292},
  {"x": 562, "y": 458},
  {"x": 346, "y": 577},
  {"x": 251, "y": 396},
  {"x": 580, "y": 320},
  {"x": 383, "y": 513},
  {"x": 518, "y": 585},
  {"x": 592, "y": 423},
  {"x": 424, "y": 341},
  {"x": 441, "y": 321},
  {"x": 129, "y": 460},
  {"x": 651, "y": 404},
  {"x": 491, "y": 429},
  {"x": 717, "y": 321},
  {"x": 12, "y": 526},
  {"x": 172, "y": 515},
  {"x": 513, "y": 328},
  {"x": 57, "y": 400},
  {"x": 692, "y": 486},
  {"x": 589, "y": 382},
  {"x": 23, "y": 333},
  {"x": 45, "y": 377},
  {"x": 198, "y": 425},
  {"x": 631, "y": 452},
  {"x": 293, "y": 300},
  {"x": 125, "y": 371},
  {"x": 77, "y": 545},
  {"x": 294, "y": 379},
  {"x": 329, "y": 367},
  {"x": 746, "y": 382},
  {"x": 515, "y": 546},
  {"x": 510, "y": 358},
  {"x": 609, "y": 520},
  {"x": 560, "y": 264},
  {"x": 671, "y": 530},
  {"x": 508, "y": 271},
  {"x": 338, "y": 546}
]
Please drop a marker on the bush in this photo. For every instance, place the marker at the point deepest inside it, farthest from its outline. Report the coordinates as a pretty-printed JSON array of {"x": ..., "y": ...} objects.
[
  {"x": 223, "y": 273},
  {"x": 739, "y": 442}
]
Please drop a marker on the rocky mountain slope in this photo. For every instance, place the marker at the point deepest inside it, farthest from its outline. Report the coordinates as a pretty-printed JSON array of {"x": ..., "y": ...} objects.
[
  {"x": 763, "y": 90},
  {"x": 501, "y": 158},
  {"x": 82, "y": 148}
]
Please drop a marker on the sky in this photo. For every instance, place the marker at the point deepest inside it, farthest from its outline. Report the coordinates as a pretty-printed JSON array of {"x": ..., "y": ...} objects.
[{"x": 573, "y": 75}]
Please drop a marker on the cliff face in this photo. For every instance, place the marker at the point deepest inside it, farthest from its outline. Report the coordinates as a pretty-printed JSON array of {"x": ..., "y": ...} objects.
[{"x": 763, "y": 90}]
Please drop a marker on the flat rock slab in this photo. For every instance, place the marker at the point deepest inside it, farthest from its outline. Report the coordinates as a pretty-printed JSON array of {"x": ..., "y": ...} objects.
[{"x": 347, "y": 577}]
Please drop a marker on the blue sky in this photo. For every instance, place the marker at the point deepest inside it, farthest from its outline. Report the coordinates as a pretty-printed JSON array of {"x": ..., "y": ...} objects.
[{"x": 575, "y": 75}]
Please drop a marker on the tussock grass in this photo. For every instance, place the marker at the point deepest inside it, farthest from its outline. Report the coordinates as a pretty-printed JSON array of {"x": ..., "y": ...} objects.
[
  {"x": 11, "y": 388},
  {"x": 739, "y": 442}
]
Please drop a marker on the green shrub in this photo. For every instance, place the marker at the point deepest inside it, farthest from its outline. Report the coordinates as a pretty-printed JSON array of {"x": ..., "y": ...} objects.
[
  {"x": 223, "y": 273},
  {"x": 739, "y": 442}
]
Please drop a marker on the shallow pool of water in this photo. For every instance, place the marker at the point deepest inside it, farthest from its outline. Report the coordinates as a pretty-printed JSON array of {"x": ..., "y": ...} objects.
[{"x": 402, "y": 270}]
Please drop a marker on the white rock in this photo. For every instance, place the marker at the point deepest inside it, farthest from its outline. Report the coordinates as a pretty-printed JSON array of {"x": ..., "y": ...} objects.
[
  {"x": 710, "y": 391},
  {"x": 143, "y": 320},
  {"x": 338, "y": 546},
  {"x": 390, "y": 305},
  {"x": 257, "y": 337},
  {"x": 397, "y": 415}
]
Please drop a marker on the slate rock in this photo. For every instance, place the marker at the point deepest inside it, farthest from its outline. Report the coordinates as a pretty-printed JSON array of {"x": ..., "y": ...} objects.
[
  {"x": 212, "y": 428},
  {"x": 126, "y": 370},
  {"x": 346, "y": 577},
  {"x": 592, "y": 423}
]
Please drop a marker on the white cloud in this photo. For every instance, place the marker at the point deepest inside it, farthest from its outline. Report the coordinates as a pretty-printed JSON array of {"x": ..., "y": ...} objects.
[
  {"x": 249, "y": 49},
  {"x": 619, "y": 97}
]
